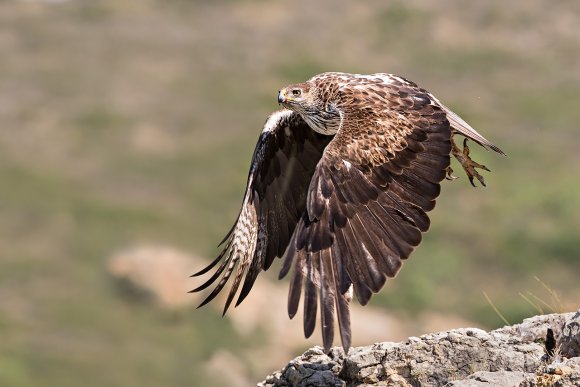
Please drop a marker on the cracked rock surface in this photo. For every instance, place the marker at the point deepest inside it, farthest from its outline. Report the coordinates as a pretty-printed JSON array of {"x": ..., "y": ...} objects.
[{"x": 511, "y": 356}]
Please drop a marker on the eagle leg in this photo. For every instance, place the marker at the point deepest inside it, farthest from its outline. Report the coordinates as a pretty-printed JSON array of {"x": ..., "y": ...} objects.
[{"x": 467, "y": 163}]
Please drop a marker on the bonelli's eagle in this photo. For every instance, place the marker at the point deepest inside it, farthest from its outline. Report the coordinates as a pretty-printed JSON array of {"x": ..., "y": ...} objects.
[{"x": 340, "y": 185}]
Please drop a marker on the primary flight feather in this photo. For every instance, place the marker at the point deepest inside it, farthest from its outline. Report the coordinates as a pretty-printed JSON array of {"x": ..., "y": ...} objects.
[{"x": 340, "y": 185}]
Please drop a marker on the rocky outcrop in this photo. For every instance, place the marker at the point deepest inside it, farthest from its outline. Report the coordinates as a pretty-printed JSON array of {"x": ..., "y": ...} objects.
[{"x": 541, "y": 351}]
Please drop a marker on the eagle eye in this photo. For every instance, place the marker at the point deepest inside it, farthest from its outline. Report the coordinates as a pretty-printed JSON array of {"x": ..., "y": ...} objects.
[{"x": 296, "y": 92}]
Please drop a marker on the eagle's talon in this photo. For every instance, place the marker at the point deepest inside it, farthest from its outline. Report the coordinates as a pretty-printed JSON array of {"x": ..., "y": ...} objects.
[
  {"x": 467, "y": 163},
  {"x": 478, "y": 176},
  {"x": 449, "y": 173}
]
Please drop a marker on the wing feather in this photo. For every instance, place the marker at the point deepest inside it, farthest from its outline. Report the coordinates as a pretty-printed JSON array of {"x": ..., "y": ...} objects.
[
  {"x": 282, "y": 166},
  {"x": 310, "y": 293},
  {"x": 327, "y": 298},
  {"x": 295, "y": 292},
  {"x": 341, "y": 299}
]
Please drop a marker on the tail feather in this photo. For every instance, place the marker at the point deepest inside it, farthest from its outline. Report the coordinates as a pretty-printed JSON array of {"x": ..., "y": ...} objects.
[{"x": 457, "y": 123}]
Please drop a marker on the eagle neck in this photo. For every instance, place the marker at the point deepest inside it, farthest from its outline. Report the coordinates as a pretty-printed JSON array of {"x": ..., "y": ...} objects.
[{"x": 326, "y": 121}]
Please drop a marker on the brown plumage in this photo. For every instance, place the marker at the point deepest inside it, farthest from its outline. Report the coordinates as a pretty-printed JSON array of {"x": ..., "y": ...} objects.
[{"x": 340, "y": 185}]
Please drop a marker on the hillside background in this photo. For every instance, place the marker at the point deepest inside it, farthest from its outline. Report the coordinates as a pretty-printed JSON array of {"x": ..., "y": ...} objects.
[{"x": 126, "y": 131}]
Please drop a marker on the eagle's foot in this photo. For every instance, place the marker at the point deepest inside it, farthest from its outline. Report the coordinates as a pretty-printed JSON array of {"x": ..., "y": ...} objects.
[{"x": 467, "y": 163}]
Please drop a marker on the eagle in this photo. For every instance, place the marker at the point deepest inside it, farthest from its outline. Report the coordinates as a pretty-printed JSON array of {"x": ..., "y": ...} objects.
[{"x": 340, "y": 184}]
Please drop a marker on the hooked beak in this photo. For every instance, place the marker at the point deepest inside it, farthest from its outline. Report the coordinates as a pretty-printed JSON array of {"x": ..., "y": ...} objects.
[{"x": 282, "y": 96}]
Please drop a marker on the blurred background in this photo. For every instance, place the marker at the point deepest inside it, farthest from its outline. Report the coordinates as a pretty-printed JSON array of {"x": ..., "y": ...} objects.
[{"x": 126, "y": 132}]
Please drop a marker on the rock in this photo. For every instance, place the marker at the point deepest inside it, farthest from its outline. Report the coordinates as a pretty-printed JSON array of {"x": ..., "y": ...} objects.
[
  {"x": 535, "y": 328},
  {"x": 562, "y": 374},
  {"x": 488, "y": 378},
  {"x": 570, "y": 338},
  {"x": 509, "y": 356}
]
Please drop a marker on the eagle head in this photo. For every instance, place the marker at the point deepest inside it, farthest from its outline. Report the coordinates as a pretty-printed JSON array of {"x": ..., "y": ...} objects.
[
  {"x": 296, "y": 96},
  {"x": 306, "y": 100}
]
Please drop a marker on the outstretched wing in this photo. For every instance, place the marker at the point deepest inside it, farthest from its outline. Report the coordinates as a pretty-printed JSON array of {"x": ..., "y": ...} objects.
[
  {"x": 367, "y": 204},
  {"x": 282, "y": 166}
]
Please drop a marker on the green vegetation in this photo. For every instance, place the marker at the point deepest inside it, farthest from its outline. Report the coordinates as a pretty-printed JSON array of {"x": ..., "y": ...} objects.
[{"x": 134, "y": 121}]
